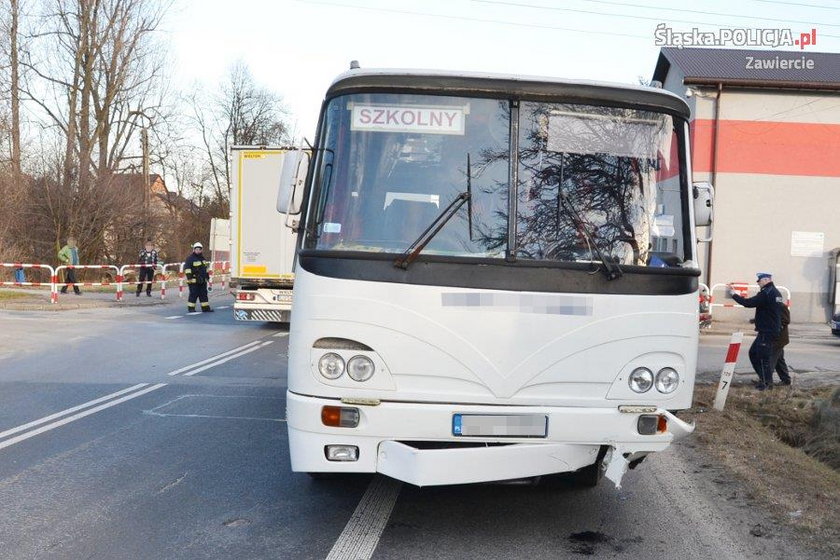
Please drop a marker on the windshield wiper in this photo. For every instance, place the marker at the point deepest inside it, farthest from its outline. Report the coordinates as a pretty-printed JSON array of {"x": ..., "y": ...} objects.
[
  {"x": 429, "y": 233},
  {"x": 469, "y": 198},
  {"x": 611, "y": 270}
]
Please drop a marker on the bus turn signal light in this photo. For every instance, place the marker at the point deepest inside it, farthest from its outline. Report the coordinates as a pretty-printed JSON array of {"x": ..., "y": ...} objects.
[
  {"x": 650, "y": 424},
  {"x": 340, "y": 416}
]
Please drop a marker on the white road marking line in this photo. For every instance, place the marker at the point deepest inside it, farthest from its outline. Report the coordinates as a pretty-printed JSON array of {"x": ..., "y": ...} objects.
[
  {"x": 75, "y": 417},
  {"x": 154, "y": 411},
  {"x": 280, "y": 335},
  {"x": 223, "y": 307},
  {"x": 360, "y": 536},
  {"x": 216, "y": 357},
  {"x": 46, "y": 419},
  {"x": 194, "y": 312},
  {"x": 175, "y": 317},
  {"x": 170, "y": 415},
  {"x": 229, "y": 358}
]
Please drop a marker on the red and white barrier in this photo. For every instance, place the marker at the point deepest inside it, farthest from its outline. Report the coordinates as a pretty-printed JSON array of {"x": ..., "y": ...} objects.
[
  {"x": 743, "y": 289},
  {"x": 179, "y": 269},
  {"x": 133, "y": 268},
  {"x": 116, "y": 270},
  {"x": 728, "y": 370},
  {"x": 705, "y": 314},
  {"x": 218, "y": 269},
  {"x": 36, "y": 266}
]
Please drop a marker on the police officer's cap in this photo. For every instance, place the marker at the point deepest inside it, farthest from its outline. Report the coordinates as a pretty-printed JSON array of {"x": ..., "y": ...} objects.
[{"x": 197, "y": 245}]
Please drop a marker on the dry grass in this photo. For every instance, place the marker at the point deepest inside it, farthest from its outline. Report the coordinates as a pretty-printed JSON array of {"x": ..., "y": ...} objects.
[
  {"x": 6, "y": 295},
  {"x": 745, "y": 438}
]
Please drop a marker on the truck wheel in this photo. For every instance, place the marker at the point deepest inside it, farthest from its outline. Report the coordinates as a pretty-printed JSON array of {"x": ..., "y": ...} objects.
[{"x": 590, "y": 476}]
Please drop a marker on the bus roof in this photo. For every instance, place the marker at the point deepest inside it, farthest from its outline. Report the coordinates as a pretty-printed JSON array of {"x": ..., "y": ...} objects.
[{"x": 476, "y": 84}]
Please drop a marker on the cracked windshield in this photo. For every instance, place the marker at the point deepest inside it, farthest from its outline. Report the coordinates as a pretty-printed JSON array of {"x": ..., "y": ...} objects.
[{"x": 589, "y": 178}]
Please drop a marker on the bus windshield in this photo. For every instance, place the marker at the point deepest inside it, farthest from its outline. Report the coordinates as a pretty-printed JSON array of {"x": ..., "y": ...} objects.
[{"x": 591, "y": 182}]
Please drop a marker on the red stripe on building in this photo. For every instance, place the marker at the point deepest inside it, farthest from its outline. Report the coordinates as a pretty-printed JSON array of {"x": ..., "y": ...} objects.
[
  {"x": 732, "y": 353},
  {"x": 670, "y": 166},
  {"x": 771, "y": 148}
]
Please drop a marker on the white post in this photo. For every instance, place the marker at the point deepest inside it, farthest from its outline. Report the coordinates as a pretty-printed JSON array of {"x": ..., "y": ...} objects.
[{"x": 728, "y": 370}]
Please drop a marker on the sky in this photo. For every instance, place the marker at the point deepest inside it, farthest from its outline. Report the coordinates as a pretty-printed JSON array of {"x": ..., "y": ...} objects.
[{"x": 296, "y": 48}]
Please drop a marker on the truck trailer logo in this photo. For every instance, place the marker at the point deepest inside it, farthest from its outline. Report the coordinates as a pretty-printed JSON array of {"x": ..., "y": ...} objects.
[{"x": 408, "y": 118}]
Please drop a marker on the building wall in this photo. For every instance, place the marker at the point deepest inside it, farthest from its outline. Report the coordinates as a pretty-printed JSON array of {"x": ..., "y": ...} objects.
[
  {"x": 778, "y": 172},
  {"x": 756, "y": 216}
]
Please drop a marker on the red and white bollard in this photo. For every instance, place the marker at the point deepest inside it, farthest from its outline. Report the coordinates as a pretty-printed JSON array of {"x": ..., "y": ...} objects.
[
  {"x": 728, "y": 370},
  {"x": 54, "y": 288},
  {"x": 119, "y": 287}
]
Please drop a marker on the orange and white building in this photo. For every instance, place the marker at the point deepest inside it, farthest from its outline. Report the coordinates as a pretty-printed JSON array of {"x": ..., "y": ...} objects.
[{"x": 765, "y": 131}]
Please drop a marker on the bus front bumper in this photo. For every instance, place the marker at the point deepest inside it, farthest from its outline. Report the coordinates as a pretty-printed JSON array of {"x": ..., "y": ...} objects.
[{"x": 414, "y": 442}]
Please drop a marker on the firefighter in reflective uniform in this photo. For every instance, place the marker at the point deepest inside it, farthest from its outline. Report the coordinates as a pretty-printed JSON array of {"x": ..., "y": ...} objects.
[{"x": 195, "y": 269}]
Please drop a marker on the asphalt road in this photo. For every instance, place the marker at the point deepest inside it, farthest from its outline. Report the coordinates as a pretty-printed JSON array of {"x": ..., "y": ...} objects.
[{"x": 148, "y": 433}]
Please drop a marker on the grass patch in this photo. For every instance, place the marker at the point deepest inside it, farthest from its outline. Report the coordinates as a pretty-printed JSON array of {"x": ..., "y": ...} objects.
[
  {"x": 773, "y": 442},
  {"x": 96, "y": 289},
  {"x": 6, "y": 295}
]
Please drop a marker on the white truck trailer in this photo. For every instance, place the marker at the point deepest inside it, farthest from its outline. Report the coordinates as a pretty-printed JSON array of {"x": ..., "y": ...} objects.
[
  {"x": 262, "y": 255},
  {"x": 220, "y": 240}
]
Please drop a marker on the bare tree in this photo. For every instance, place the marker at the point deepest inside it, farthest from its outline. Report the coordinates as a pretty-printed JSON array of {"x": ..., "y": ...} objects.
[
  {"x": 95, "y": 64},
  {"x": 241, "y": 113},
  {"x": 14, "y": 72},
  {"x": 11, "y": 177}
]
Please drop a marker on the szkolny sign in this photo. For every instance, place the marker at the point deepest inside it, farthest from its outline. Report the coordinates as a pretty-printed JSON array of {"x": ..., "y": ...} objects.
[{"x": 393, "y": 118}]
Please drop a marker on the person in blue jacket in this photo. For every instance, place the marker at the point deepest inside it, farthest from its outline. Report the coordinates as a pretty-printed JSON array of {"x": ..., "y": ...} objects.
[{"x": 768, "y": 324}]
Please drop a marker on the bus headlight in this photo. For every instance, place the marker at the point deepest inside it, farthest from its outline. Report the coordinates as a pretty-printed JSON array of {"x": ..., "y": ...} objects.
[
  {"x": 360, "y": 368},
  {"x": 331, "y": 365},
  {"x": 667, "y": 380},
  {"x": 640, "y": 380}
]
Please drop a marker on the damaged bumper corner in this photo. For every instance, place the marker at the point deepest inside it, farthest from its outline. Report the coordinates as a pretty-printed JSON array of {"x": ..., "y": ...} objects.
[
  {"x": 677, "y": 427},
  {"x": 617, "y": 459}
]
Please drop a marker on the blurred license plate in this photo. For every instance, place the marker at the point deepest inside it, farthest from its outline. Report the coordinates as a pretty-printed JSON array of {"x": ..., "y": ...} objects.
[
  {"x": 284, "y": 296},
  {"x": 500, "y": 425}
]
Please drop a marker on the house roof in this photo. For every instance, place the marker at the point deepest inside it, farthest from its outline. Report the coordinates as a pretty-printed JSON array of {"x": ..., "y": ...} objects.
[
  {"x": 751, "y": 68},
  {"x": 135, "y": 184},
  {"x": 135, "y": 181}
]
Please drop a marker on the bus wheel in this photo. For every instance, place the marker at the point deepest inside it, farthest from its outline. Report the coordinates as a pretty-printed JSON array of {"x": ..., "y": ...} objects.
[{"x": 590, "y": 476}]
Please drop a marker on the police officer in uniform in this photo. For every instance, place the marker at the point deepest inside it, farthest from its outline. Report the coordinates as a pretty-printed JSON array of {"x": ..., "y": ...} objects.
[
  {"x": 195, "y": 269},
  {"x": 768, "y": 323}
]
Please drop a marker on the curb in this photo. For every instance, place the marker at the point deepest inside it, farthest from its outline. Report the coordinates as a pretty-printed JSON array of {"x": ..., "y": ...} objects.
[{"x": 88, "y": 304}]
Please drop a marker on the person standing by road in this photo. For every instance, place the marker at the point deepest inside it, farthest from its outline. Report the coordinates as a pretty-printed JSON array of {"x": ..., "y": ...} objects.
[
  {"x": 768, "y": 325},
  {"x": 778, "y": 359},
  {"x": 195, "y": 269},
  {"x": 69, "y": 256},
  {"x": 148, "y": 257}
]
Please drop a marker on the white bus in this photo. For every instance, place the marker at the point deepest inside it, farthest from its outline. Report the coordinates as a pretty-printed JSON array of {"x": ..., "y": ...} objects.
[{"x": 496, "y": 279}]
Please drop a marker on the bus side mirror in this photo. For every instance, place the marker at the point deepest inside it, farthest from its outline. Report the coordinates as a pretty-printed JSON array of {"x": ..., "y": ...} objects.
[
  {"x": 704, "y": 198},
  {"x": 704, "y": 208},
  {"x": 292, "y": 178}
]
